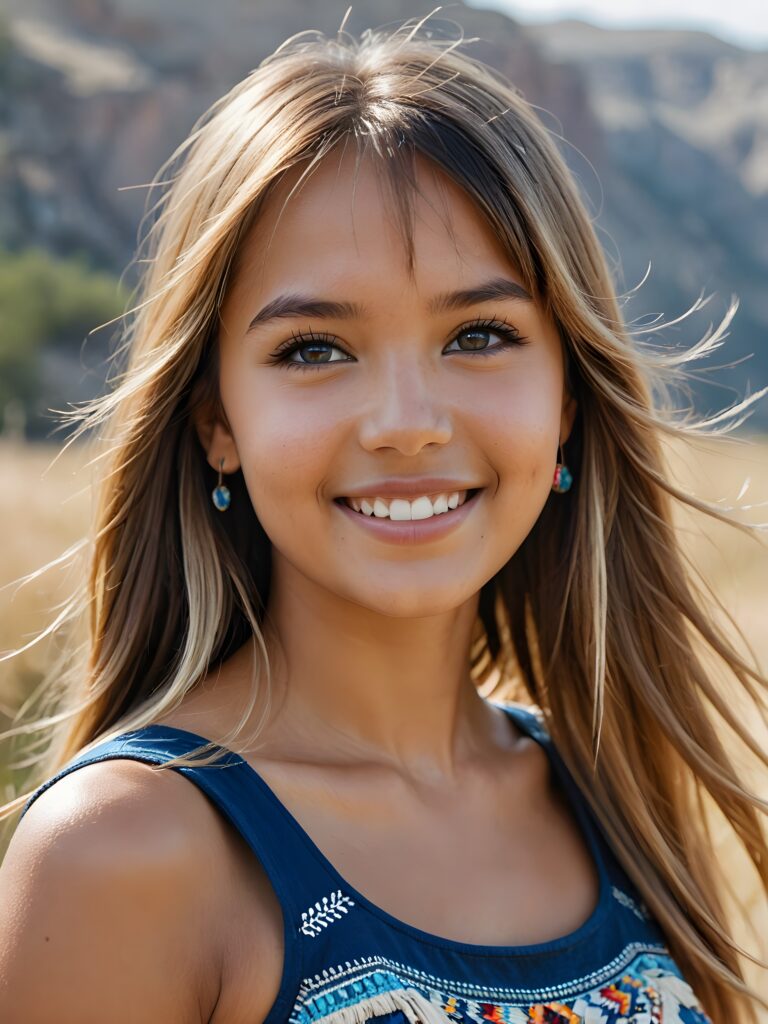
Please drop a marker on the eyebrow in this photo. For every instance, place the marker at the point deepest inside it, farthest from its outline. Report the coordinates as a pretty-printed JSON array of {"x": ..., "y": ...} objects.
[{"x": 295, "y": 305}]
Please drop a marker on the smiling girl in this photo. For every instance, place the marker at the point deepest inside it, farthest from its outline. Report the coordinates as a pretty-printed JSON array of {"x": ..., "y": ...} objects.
[{"x": 382, "y": 441}]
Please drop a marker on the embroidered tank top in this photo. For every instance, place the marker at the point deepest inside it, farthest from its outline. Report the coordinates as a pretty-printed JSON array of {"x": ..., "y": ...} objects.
[{"x": 348, "y": 961}]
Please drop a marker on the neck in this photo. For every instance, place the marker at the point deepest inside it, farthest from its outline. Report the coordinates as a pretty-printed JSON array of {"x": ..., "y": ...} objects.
[{"x": 355, "y": 684}]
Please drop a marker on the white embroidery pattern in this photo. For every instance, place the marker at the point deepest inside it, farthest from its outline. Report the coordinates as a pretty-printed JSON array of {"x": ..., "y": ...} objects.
[
  {"x": 343, "y": 974},
  {"x": 640, "y": 910},
  {"x": 324, "y": 912}
]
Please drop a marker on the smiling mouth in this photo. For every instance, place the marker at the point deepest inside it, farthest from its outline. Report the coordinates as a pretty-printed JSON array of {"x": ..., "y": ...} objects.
[{"x": 403, "y": 510}]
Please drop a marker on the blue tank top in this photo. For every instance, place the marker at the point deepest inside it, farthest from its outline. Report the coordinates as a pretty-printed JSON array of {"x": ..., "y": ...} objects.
[{"x": 348, "y": 961}]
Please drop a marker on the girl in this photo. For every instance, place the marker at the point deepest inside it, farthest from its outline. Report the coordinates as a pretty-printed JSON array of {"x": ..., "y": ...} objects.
[{"x": 382, "y": 443}]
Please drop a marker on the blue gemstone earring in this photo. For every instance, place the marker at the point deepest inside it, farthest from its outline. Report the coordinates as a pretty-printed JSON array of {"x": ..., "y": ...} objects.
[
  {"x": 563, "y": 477},
  {"x": 220, "y": 494}
]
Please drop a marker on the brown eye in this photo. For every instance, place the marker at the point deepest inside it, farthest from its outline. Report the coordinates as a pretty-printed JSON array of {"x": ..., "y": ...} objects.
[
  {"x": 476, "y": 340},
  {"x": 478, "y": 336},
  {"x": 314, "y": 353},
  {"x": 303, "y": 352}
]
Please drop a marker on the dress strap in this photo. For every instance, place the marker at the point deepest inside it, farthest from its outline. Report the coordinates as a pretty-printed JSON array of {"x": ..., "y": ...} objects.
[
  {"x": 242, "y": 796},
  {"x": 531, "y": 722}
]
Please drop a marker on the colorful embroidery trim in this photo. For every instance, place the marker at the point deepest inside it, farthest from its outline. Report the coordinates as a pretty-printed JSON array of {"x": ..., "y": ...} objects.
[{"x": 643, "y": 985}]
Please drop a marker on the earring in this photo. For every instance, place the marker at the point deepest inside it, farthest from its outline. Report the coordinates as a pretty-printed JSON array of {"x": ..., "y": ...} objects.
[
  {"x": 220, "y": 494},
  {"x": 563, "y": 477}
]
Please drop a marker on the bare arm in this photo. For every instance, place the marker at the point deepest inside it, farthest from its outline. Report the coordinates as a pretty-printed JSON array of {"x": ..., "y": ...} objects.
[{"x": 103, "y": 907}]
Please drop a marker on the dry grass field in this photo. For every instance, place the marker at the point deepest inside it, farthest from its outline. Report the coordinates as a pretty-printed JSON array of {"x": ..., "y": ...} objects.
[{"x": 44, "y": 508}]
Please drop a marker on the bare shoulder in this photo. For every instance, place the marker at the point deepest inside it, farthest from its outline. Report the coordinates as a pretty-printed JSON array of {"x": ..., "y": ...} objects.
[{"x": 115, "y": 887}]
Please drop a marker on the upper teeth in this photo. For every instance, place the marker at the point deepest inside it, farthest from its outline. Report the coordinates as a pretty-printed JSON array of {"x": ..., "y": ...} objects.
[{"x": 402, "y": 509}]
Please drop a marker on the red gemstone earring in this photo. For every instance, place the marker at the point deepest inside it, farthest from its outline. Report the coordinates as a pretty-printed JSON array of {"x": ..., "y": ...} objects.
[{"x": 563, "y": 477}]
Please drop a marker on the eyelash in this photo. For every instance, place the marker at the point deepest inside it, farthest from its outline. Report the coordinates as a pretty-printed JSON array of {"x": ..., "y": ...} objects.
[{"x": 280, "y": 356}]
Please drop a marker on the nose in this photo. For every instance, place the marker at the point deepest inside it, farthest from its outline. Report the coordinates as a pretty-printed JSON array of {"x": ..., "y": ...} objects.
[{"x": 406, "y": 410}]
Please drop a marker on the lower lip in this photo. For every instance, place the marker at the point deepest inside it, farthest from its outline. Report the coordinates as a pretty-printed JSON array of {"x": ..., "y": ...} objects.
[{"x": 412, "y": 531}]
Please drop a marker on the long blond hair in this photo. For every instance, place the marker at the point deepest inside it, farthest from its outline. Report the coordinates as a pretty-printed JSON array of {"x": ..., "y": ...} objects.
[{"x": 596, "y": 616}]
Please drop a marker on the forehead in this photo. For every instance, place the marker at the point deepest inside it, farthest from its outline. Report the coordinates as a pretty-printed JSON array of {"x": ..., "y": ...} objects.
[{"x": 341, "y": 222}]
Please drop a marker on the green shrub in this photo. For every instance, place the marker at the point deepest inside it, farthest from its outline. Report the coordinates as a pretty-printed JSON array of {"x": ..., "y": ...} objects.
[{"x": 47, "y": 302}]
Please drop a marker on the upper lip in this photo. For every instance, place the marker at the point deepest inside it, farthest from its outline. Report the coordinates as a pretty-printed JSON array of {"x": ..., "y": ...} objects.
[{"x": 409, "y": 487}]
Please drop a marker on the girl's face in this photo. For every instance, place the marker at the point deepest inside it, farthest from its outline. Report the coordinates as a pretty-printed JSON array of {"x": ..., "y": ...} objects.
[{"x": 343, "y": 377}]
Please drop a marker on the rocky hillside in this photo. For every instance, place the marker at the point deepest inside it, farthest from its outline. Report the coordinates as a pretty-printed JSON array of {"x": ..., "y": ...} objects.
[
  {"x": 684, "y": 119},
  {"x": 667, "y": 132}
]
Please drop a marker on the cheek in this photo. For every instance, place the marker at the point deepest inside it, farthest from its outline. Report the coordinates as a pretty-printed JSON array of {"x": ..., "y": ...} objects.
[
  {"x": 286, "y": 442},
  {"x": 520, "y": 426}
]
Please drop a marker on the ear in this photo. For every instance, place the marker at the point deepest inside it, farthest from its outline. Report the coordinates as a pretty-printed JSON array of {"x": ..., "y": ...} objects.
[{"x": 216, "y": 438}]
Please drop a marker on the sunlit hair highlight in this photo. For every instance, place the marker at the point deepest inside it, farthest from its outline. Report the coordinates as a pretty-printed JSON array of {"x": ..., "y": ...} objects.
[{"x": 597, "y": 619}]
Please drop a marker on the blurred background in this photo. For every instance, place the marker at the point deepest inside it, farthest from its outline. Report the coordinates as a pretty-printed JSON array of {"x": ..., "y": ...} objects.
[{"x": 666, "y": 121}]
